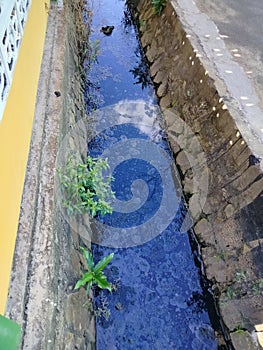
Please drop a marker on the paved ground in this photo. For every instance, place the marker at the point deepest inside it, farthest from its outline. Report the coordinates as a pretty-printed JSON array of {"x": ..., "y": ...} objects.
[
  {"x": 242, "y": 22},
  {"x": 230, "y": 34}
]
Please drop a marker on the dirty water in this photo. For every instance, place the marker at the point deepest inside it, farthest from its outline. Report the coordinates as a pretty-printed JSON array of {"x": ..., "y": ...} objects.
[{"x": 158, "y": 301}]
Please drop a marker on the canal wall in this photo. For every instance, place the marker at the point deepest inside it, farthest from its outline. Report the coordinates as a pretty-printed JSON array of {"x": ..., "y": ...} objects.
[
  {"x": 47, "y": 262},
  {"x": 219, "y": 159},
  {"x": 18, "y": 34},
  {"x": 202, "y": 127}
]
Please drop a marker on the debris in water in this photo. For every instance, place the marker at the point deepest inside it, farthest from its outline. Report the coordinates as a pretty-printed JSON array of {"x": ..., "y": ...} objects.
[{"x": 107, "y": 30}]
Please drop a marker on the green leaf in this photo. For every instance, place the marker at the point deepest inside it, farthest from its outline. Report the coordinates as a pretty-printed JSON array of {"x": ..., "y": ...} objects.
[
  {"x": 86, "y": 278},
  {"x": 83, "y": 185},
  {"x": 89, "y": 285},
  {"x": 89, "y": 258},
  {"x": 79, "y": 284},
  {"x": 104, "y": 262},
  {"x": 103, "y": 283}
]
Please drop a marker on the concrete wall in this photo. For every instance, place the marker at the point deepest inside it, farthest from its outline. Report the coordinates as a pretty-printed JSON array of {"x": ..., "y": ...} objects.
[
  {"x": 221, "y": 175},
  {"x": 47, "y": 262},
  {"x": 15, "y": 133}
]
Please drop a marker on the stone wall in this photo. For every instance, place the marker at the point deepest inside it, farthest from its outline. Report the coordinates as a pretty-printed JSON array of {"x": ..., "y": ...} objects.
[
  {"x": 221, "y": 176},
  {"x": 47, "y": 262}
]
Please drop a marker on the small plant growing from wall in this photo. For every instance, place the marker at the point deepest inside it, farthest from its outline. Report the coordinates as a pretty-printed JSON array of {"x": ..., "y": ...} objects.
[
  {"x": 257, "y": 287},
  {"x": 158, "y": 6},
  {"x": 94, "y": 273},
  {"x": 103, "y": 309},
  {"x": 84, "y": 187},
  {"x": 92, "y": 51}
]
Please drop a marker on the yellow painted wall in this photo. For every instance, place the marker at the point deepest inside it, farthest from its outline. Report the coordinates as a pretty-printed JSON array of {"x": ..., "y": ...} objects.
[{"x": 15, "y": 133}]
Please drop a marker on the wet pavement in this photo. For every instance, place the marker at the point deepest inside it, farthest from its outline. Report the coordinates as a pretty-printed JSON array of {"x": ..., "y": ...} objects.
[{"x": 230, "y": 36}]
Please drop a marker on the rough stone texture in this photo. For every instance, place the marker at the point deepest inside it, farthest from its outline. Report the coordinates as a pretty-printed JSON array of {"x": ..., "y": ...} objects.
[
  {"x": 226, "y": 200},
  {"x": 183, "y": 162},
  {"x": 243, "y": 340},
  {"x": 47, "y": 262}
]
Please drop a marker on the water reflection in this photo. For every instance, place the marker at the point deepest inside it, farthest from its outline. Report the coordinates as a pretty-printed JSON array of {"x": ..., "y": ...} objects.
[
  {"x": 158, "y": 303},
  {"x": 140, "y": 72},
  {"x": 116, "y": 73}
]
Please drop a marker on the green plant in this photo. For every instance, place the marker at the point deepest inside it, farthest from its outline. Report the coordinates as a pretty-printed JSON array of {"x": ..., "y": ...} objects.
[
  {"x": 94, "y": 48},
  {"x": 116, "y": 285},
  {"x": 89, "y": 305},
  {"x": 94, "y": 273},
  {"x": 85, "y": 188},
  {"x": 158, "y": 6},
  {"x": 232, "y": 292},
  {"x": 103, "y": 310},
  {"x": 174, "y": 103},
  {"x": 241, "y": 276},
  {"x": 239, "y": 329},
  {"x": 257, "y": 286},
  {"x": 221, "y": 255},
  {"x": 142, "y": 25}
]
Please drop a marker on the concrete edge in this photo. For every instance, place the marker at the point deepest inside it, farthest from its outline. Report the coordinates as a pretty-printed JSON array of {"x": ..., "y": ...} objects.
[
  {"x": 32, "y": 263},
  {"x": 207, "y": 42}
]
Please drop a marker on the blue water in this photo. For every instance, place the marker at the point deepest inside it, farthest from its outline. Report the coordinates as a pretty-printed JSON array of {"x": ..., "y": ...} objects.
[{"x": 158, "y": 302}]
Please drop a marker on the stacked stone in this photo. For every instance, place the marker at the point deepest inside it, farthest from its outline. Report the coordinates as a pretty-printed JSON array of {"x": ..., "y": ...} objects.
[{"x": 221, "y": 177}]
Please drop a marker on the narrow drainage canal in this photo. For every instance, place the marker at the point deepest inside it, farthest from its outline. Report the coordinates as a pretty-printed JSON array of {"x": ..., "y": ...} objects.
[{"x": 158, "y": 302}]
